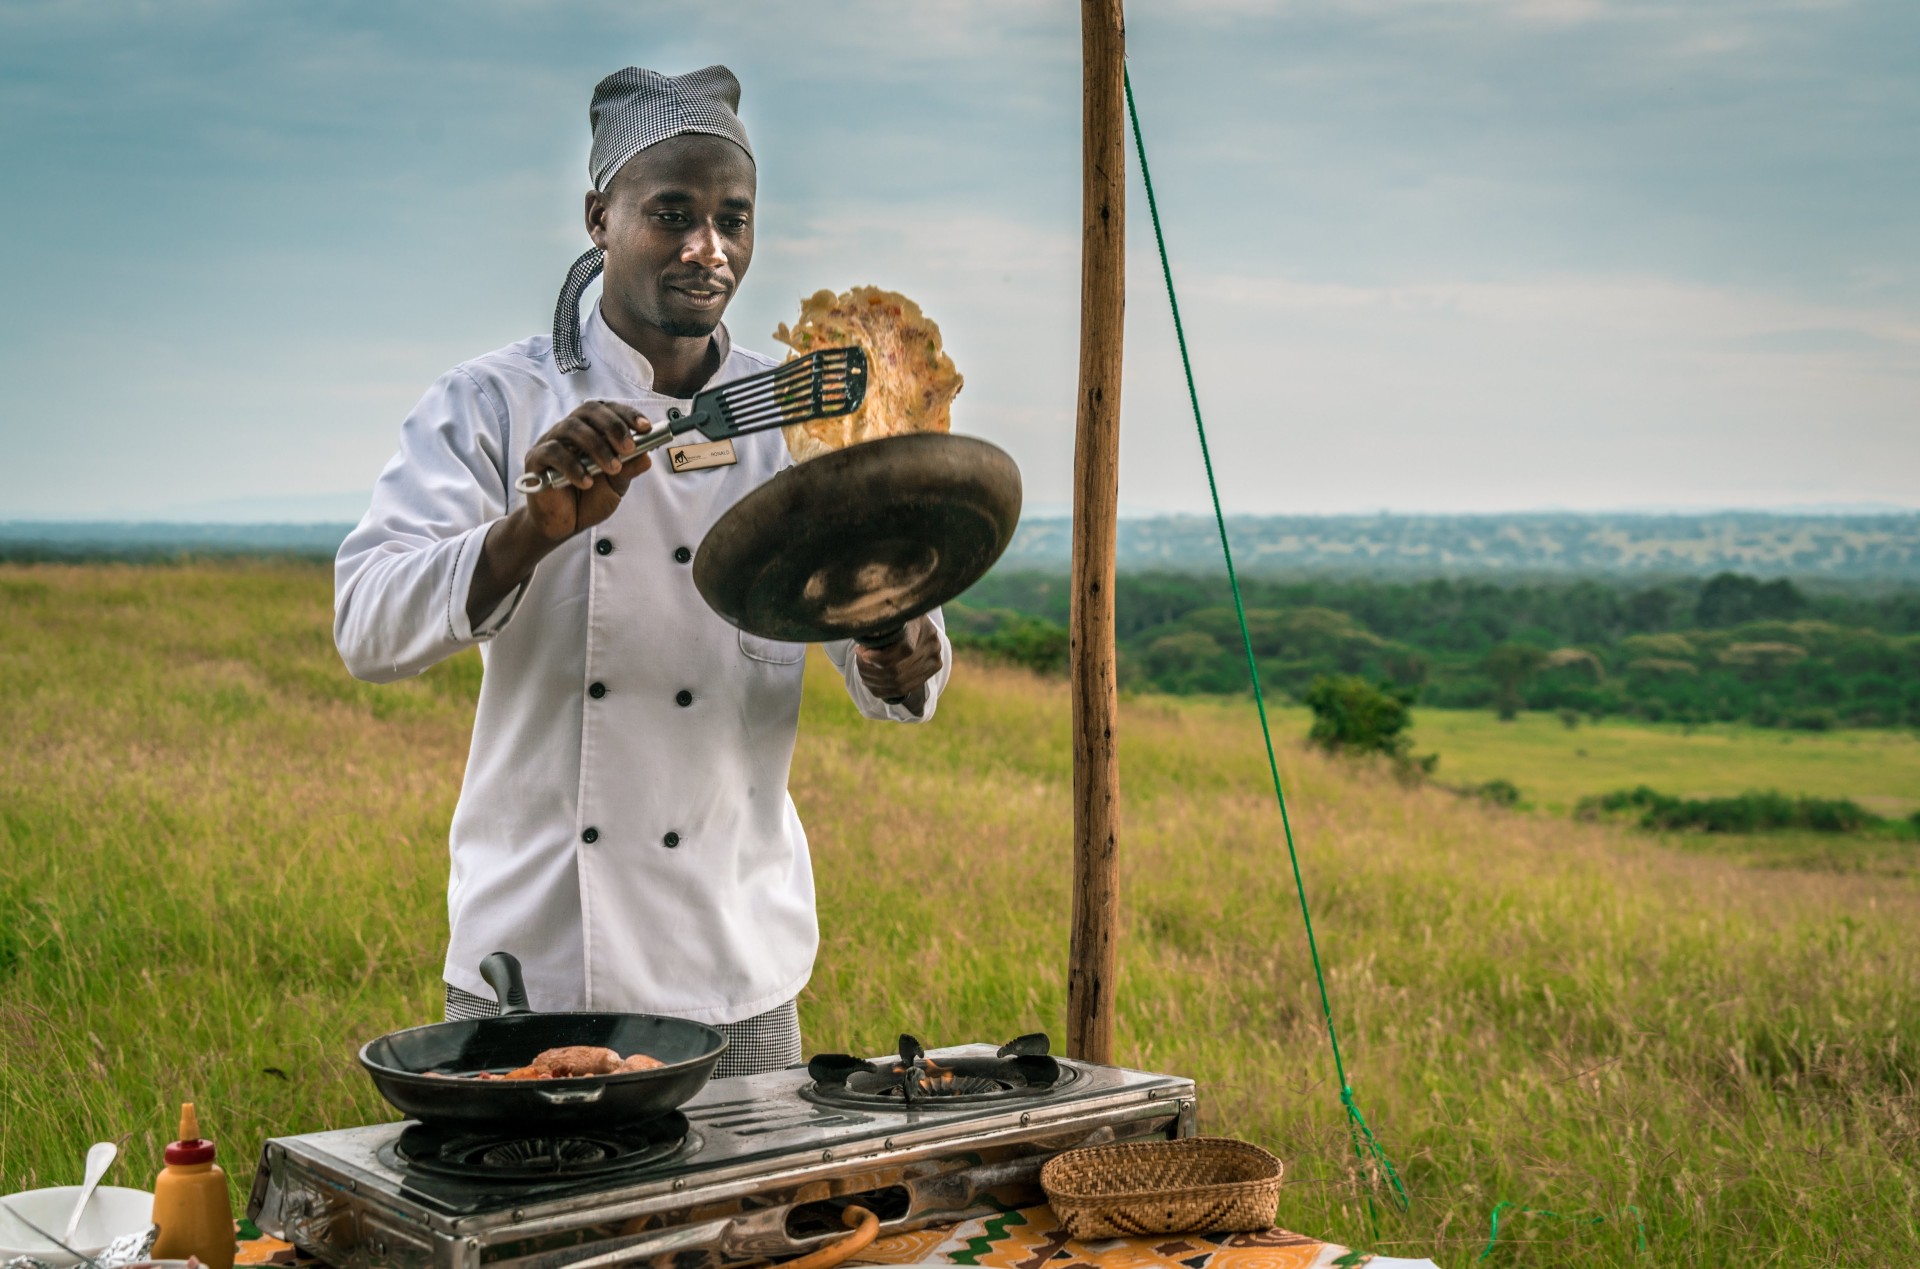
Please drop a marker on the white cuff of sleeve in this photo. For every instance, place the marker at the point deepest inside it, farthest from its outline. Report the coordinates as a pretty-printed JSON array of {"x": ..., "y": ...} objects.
[{"x": 461, "y": 586}]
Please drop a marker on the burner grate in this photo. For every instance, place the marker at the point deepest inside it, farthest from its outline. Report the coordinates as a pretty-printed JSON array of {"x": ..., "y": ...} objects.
[
  {"x": 577, "y": 1156},
  {"x": 1021, "y": 1069},
  {"x": 541, "y": 1154}
]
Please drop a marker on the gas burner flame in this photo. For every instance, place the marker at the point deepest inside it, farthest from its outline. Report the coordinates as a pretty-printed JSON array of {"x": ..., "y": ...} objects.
[{"x": 927, "y": 1078}]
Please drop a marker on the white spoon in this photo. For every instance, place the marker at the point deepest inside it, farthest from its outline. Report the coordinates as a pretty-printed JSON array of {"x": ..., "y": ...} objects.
[{"x": 100, "y": 1157}]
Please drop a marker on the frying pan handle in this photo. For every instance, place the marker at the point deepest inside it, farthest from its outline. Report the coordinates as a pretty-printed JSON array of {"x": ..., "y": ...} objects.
[
  {"x": 885, "y": 639},
  {"x": 502, "y": 972}
]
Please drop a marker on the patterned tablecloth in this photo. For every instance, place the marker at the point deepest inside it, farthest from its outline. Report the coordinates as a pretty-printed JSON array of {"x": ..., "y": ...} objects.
[{"x": 1032, "y": 1239}]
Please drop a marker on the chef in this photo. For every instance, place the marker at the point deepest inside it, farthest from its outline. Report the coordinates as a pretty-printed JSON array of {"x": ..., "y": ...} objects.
[{"x": 624, "y": 826}]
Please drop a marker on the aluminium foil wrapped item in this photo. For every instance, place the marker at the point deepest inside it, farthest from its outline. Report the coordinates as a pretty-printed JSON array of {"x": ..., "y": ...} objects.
[{"x": 122, "y": 1253}]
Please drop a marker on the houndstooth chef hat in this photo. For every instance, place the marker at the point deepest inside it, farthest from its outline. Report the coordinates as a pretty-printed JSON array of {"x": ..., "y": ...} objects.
[{"x": 632, "y": 110}]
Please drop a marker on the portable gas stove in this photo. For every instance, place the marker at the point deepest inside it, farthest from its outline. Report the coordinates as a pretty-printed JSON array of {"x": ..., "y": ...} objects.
[{"x": 752, "y": 1168}]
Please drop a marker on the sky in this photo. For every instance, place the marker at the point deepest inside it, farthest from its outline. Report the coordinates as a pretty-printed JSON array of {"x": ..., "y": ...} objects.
[{"x": 1433, "y": 255}]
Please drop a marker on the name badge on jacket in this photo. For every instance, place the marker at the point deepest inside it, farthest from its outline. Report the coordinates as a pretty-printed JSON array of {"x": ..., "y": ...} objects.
[{"x": 704, "y": 454}]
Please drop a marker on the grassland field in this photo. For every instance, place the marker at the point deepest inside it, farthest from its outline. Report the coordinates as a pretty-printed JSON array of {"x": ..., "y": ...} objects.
[
  {"x": 222, "y": 865},
  {"x": 1555, "y": 766}
]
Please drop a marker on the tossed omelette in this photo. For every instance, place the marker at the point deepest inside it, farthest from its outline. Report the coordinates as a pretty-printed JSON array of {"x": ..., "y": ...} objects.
[{"x": 911, "y": 382}]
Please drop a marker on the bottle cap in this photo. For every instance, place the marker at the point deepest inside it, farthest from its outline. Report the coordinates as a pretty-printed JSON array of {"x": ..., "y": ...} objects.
[{"x": 191, "y": 1147}]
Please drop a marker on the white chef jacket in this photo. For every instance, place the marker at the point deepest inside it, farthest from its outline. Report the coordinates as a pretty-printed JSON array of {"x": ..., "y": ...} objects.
[{"x": 637, "y": 853}]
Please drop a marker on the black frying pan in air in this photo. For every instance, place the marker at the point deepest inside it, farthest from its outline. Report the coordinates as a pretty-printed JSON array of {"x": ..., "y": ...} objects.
[
  {"x": 411, "y": 1068},
  {"x": 856, "y": 543}
]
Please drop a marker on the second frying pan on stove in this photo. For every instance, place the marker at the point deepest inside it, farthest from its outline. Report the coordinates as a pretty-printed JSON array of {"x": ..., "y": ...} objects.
[{"x": 413, "y": 1068}]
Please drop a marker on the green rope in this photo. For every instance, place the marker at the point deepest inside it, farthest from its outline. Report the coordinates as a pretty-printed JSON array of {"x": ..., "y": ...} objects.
[
  {"x": 1493, "y": 1235},
  {"x": 1365, "y": 1148}
]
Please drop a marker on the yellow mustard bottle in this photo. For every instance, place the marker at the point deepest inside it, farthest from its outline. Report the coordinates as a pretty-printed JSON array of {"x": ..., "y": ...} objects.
[{"x": 190, "y": 1201}]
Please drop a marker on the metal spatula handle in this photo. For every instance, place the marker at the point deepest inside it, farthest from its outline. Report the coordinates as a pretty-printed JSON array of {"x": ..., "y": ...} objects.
[
  {"x": 821, "y": 385},
  {"x": 550, "y": 479}
]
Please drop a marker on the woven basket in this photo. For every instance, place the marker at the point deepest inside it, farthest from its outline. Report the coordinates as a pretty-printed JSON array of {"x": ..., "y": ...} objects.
[{"x": 1192, "y": 1186}]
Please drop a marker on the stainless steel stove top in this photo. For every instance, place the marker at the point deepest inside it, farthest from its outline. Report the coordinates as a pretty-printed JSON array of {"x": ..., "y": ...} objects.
[{"x": 762, "y": 1171}]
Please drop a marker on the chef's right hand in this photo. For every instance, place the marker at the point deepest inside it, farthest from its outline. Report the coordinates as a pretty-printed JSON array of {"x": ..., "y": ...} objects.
[{"x": 601, "y": 431}]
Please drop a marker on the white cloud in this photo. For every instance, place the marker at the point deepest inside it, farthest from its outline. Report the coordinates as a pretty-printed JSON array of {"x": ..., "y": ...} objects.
[
  {"x": 1644, "y": 307},
  {"x": 1435, "y": 253}
]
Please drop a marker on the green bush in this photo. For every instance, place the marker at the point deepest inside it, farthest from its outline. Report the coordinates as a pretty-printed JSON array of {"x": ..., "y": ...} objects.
[
  {"x": 1004, "y": 634},
  {"x": 1499, "y": 792},
  {"x": 1756, "y": 812},
  {"x": 1816, "y": 719},
  {"x": 1351, "y": 715}
]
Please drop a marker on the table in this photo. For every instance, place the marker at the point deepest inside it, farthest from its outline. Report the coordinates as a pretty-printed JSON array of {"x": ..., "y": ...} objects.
[{"x": 1031, "y": 1238}]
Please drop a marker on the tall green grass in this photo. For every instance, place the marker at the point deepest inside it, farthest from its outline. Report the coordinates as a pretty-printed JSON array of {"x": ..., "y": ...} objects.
[{"x": 223, "y": 864}]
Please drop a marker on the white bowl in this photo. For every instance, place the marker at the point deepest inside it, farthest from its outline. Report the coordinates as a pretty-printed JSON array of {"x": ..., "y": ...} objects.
[{"x": 112, "y": 1211}]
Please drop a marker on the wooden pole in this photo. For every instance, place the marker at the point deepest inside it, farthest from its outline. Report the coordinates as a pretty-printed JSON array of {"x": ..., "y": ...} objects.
[{"x": 1094, "y": 962}]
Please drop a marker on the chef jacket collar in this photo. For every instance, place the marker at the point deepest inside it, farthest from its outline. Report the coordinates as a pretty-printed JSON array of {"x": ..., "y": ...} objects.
[{"x": 606, "y": 350}]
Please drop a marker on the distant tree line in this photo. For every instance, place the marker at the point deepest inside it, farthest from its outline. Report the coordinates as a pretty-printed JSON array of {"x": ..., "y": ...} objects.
[{"x": 1726, "y": 648}]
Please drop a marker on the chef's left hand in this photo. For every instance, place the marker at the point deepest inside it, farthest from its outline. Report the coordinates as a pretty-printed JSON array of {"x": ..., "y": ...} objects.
[{"x": 902, "y": 669}]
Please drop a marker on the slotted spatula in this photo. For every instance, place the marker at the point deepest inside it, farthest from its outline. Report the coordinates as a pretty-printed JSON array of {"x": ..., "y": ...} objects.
[{"x": 820, "y": 385}]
